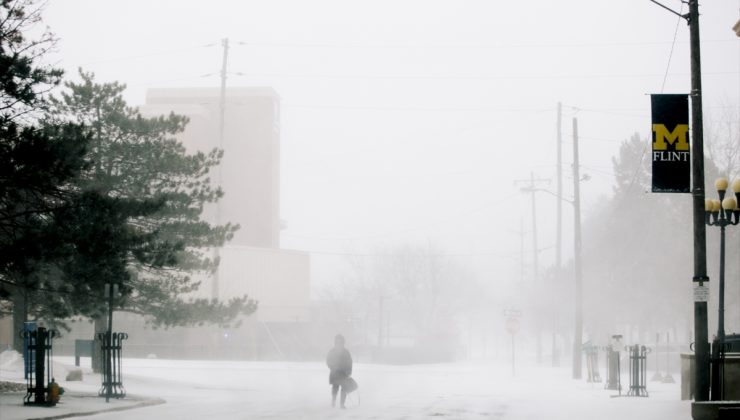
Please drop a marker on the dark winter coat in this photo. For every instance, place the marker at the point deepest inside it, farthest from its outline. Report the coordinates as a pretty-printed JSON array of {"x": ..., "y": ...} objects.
[{"x": 340, "y": 365}]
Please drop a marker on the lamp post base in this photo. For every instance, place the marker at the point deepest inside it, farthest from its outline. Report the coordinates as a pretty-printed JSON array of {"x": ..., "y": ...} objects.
[{"x": 715, "y": 410}]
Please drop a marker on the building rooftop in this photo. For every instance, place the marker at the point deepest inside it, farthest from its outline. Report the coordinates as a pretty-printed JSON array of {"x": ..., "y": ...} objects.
[{"x": 165, "y": 95}]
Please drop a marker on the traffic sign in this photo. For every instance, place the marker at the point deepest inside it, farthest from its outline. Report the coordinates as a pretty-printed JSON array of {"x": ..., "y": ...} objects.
[
  {"x": 512, "y": 313},
  {"x": 512, "y": 325}
]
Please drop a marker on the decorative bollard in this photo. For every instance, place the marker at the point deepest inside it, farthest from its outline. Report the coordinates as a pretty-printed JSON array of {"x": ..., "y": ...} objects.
[
  {"x": 717, "y": 361},
  {"x": 28, "y": 355},
  {"x": 657, "y": 376},
  {"x": 592, "y": 362},
  {"x": 39, "y": 370},
  {"x": 613, "y": 368},
  {"x": 112, "y": 347},
  {"x": 668, "y": 378},
  {"x": 638, "y": 370}
]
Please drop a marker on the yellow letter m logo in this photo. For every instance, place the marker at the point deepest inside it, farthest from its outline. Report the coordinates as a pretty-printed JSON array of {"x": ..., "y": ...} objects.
[{"x": 678, "y": 138}]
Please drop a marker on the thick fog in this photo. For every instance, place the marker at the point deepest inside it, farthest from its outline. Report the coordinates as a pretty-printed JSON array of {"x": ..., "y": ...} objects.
[{"x": 410, "y": 179}]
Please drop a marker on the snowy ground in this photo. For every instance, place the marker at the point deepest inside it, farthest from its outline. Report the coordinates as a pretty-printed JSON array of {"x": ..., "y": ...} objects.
[{"x": 281, "y": 390}]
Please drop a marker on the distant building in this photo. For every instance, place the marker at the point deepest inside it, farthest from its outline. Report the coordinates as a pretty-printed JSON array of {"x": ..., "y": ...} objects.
[
  {"x": 6, "y": 332},
  {"x": 281, "y": 328},
  {"x": 278, "y": 278},
  {"x": 251, "y": 263},
  {"x": 250, "y": 168}
]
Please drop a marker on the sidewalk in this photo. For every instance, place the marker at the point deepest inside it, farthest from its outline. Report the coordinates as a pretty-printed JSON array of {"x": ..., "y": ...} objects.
[
  {"x": 80, "y": 397},
  {"x": 71, "y": 404}
]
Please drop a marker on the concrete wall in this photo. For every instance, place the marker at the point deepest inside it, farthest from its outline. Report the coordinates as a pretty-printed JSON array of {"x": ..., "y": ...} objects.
[
  {"x": 278, "y": 279},
  {"x": 250, "y": 168},
  {"x": 6, "y": 332}
]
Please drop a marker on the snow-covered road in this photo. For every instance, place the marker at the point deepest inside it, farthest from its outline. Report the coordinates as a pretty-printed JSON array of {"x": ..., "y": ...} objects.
[{"x": 281, "y": 390}]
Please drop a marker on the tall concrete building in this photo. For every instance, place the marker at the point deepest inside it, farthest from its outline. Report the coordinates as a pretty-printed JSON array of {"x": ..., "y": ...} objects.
[
  {"x": 252, "y": 263},
  {"x": 250, "y": 169}
]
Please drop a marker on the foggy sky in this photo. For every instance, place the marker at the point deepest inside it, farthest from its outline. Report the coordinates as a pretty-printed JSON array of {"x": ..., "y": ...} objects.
[{"x": 409, "y": 121}]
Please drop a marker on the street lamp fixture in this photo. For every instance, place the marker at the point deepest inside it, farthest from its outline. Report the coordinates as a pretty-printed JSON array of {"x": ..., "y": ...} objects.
[{"x": 723, "y": 212}]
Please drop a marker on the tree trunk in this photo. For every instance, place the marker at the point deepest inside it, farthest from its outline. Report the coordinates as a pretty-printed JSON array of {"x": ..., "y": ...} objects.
[
  {"x": 20, "y": 316},
  {"x": 97, "y": 353}
]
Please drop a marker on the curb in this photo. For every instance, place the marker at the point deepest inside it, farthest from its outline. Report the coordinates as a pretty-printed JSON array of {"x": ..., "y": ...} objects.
[{"x": 143, "y": 403}]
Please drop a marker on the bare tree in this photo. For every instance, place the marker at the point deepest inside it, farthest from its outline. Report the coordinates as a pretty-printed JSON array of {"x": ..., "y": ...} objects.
[
  {"x": 412, "y": 292},
  {"x": 723, "y": 139}
]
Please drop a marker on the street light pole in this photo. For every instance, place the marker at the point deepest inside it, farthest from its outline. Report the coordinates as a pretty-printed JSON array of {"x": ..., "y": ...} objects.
[
  {"x": 701, "y": 335},
  {"x": 221, "y": 116},
  {"x": 535, "y": 269},
  {"x": 722, "y": 213},
  {"x": 578, "y": 333},
  {"x": 558, "y": 233},
  {"x": 111, "y": 292},
  {"x": 535, "y": 251}
]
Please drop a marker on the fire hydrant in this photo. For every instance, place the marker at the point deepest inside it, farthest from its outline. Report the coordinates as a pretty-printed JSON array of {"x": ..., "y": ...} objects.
[{"x": 55, "y": 391}]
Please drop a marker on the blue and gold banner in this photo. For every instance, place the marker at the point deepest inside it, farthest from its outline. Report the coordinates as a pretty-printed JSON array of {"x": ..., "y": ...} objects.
[{"x": 671, "y": 151}]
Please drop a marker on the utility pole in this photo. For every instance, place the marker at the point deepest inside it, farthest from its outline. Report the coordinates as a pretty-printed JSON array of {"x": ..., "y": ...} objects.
[
  {"x": 578, "y": 334},
  {"x": 521, "y": 251},
  {"x": 535, "y": 263},
  {"x": 558, "y": 231},
  {"x": 559, "y": 213},
  {"x": 531, "y": 188},
  {"x": 380, "y": 321},
  {"x": 521, "y": 233},
  {"x": 701, "y": 336},
  {"x": 222, "y": 114},
  {"x": 222, "y": 102}
]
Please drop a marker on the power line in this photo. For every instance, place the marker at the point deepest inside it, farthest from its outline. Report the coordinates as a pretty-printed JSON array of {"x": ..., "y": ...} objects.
[
  {"x": 157, "y": 82},
  {"x": 467, "y": 77},
  {"x": 599, "y": 139},
  {"x": 599, "y": 171},
  {"x": 503, "y": 200},
  {"x": 606, "y": 111},
  {"x": 462, "y": 46},
  {"x": 167, "y": 52},
  {"x": 531, "y": 188},
  {"x": 443, "y": 255},
  {"x": 673, "y": 44},
  {"x": 417, "y": 108},
  {"x": 147, "y": 55},
  {"x": 634, "y": 176}
]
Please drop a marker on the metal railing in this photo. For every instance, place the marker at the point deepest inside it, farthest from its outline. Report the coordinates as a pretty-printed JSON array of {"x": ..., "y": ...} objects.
[
  {"x": 112, "y": 348},
  {"x": 638, "y": 370},
  {"x": 38, "y": 369}
]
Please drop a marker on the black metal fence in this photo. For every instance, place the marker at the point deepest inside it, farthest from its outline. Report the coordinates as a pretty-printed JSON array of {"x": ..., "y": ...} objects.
[
  {"x": 592, "y": 362},
  {"x": 638, "y": 370},
  {"x": 613, "y": 370},
  {"x": 38, "y": 369},
  {"x": 112, "y": 348}
]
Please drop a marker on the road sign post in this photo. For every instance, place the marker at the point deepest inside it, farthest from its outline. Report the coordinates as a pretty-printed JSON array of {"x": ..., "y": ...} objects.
[{"x": 512, "y": 326}]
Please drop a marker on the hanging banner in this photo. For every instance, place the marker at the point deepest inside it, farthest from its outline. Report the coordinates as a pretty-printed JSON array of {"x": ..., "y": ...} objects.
[{"x": 671, "y": 151}]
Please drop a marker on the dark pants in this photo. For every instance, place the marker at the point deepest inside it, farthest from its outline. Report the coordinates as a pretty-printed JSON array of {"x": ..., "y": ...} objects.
[{"x": 342, "y": 398}]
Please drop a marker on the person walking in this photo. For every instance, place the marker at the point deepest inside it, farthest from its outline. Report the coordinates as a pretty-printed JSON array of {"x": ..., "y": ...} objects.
[{"x": 339, "y": 362}]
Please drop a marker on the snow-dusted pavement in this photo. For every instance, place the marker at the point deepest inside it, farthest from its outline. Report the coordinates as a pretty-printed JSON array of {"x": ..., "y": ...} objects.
[{"x": 281, "y": 390}]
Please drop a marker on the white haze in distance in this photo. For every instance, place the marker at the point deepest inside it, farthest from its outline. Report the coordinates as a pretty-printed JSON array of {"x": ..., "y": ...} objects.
[{"x": 409, "y": 121}]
